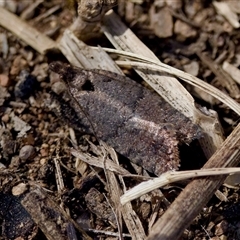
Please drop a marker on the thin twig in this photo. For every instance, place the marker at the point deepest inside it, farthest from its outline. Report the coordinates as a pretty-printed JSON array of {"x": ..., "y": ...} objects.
[
  {"x": 24, "y": 31},
  {"x": 108, "y": 233},
  {"x": 171, "y": 177},
  {"x": 222, "y": 77}
]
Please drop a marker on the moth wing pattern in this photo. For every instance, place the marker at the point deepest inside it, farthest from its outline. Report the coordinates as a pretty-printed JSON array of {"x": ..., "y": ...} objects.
[{"x": 134, "y": 120}]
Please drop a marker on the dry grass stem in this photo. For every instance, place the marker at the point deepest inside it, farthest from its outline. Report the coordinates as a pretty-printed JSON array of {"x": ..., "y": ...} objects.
[
  {"x": 24, "y": 31},
  {"x": 99, "y": 162}
]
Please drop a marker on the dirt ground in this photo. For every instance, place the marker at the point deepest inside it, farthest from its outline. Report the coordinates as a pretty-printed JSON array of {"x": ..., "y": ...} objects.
[{"x": 41, "y": 179}]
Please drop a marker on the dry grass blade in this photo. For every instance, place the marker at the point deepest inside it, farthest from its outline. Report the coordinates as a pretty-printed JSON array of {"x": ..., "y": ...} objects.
[
  {"x": 28, "y": 34},
  {"x": 81, "y": 55},
  {"x": 99, "y": 162},
  {"x": 225, "y": 80},
  {"x": 171, "y": 177},
  {"x": 135, "y": 227},
  {"x": 224, "y": 9}
]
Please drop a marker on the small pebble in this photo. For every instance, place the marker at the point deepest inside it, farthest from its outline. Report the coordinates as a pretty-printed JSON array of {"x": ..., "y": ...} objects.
[
  {"x": 5, "y": 118},
  {"x": 184, "y": 31},
  {"x": 45, "y": 145},
  {"x": 19, "y": 189},
  {"x": 192, "y": 68},
  {"x": 221, "y": 228},
  {"x": 44, "y": 151},
  {"x": 4, "y": 80},
  {"x": 162, "y": 22},
  {"x": 16, "y": 65},
  {"x": 26, "y": 85},
  {"x": 11, "y": 6},
  {"x": 4, "y": 45},
  {"x": 27, "y": 152},
  {"x": 41, "y": 71},
  {"x": 43, "y": 161},
  {"x": 58, "y": 87},
  {"x": 15, "y": 162},
  {"x": 53, "y": 78},
  {"x": 2, "y": 166},
  {"x": 4, "y": 94}
]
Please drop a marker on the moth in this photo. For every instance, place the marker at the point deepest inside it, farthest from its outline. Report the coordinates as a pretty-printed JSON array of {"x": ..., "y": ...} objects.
[{"x": 134, "y": 120}]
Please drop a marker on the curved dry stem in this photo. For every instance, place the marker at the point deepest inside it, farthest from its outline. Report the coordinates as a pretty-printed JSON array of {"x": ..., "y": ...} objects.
[{"x": 171, "y": 177}]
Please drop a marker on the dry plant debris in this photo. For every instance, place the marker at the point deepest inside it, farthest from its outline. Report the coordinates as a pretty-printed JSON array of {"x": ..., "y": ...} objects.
[{"x": 37, "y": 169}]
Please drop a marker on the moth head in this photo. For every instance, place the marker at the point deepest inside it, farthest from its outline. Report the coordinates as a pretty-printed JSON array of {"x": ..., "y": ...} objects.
[
  {"x": 74, "y": 77},
  {"x": 65, "y": 71},
  {"x": 56, "y": 67}
]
